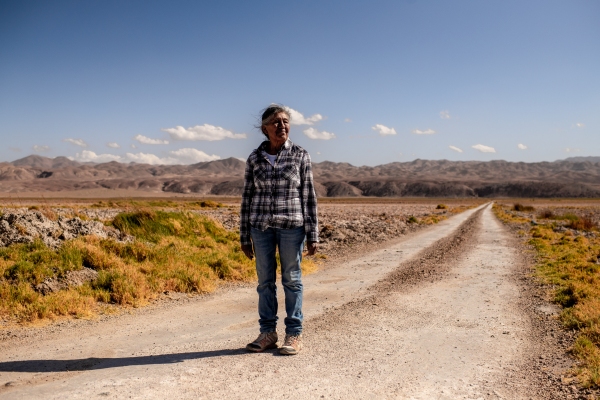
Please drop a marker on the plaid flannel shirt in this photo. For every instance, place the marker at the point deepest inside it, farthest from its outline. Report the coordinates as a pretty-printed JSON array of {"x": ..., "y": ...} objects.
[{"x": 280, "y": 195}]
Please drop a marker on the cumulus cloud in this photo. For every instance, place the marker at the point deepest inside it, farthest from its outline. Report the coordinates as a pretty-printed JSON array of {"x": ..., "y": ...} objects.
[
  {"x": 455, "y": 149},
  {"x": 521, "y": 146},
  {"x": 191, "y": 156},
  {"x": 297, "y": 118},
  {"x": 181, "y": 156},
  {"x": 315, "y": 134},
  {"x": 133, "y": 146},
  {"x": 580, "y": 125},
  {"x": 347, "y": 120},
  {"x": 571, "y": 150},
  {"x": 484, "y": 149},
  {"x": 202, "y": 132},
  {"x": 76, "y": 142},
  {"x": 90, "y": 156},
  {"x": 383, "y": 130},
  {"x": 144, "y": 158},
  {"x": 445, "y": 114},
  {"x": 147, "y": 140},
  {"x": 40, "y": 149},
  {"x": 113, "y": 145},
  {"x": 425, "y": 132}
]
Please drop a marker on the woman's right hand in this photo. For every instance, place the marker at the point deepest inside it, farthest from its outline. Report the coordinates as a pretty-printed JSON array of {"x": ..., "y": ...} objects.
[{"x": 248, "y": 250}]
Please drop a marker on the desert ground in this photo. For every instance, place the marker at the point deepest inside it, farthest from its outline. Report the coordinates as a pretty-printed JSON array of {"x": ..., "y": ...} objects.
[{"x": 445, "y": 308}]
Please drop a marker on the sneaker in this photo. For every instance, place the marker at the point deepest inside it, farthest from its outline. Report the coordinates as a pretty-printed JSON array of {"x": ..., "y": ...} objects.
[
  {"x": 291, "y": 345},
  {"x": 264, "y": 341}
]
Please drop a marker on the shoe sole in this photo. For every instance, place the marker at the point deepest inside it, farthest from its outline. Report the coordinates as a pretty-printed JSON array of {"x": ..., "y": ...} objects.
[{"x": 256, "y": 350}]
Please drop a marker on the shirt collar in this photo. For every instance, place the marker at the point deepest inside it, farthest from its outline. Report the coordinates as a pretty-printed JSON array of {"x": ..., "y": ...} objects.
[{"x": 286, "y": 145}]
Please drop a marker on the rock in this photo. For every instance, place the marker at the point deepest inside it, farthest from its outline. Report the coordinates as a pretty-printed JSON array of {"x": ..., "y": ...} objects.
[
  {"x": 71, "y": 279},
  {"x": 24, "y": 226}
]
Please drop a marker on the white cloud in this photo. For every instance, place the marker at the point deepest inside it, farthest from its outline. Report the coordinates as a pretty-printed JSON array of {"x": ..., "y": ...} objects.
[
  {"x": 76, "y": 142},
  {"x": 455, "y": 149},
  {"x": 315, "y": 134},
  {"x": 521, "y": 146},
  {"x": 425, "y": 132},
  {"x": 445, "y": 114},
  {"x": 580, "y": 125},
  {"x": 133, "y": 146},
  {"x": 40, "y": 149},
  {"x": 347, "y": 120},
  {"x": 484, "y": 149},
  {"x": 144, "y": 158},
  {"x": 202, "y": 132},
  {"x": 113, "y": 145},
  {"x": 570, "y": 150},
  {"x": 90, "y": 156},
  {"x": 298, "y": 119},
  {"x": 191, "y": 156},
  {"x": 147, "y": 140},
  {"x": 182, "y": 156},
  {"x": 383, "y": 130}
]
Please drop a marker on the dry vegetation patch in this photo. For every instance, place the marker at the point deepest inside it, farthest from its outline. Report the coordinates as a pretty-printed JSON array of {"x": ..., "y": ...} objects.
[
  {"x": 172, "y": 251},
  {"x": 567, "y": 243}
]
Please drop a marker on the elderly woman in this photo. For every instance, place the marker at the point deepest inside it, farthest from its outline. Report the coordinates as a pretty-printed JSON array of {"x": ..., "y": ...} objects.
[{"x": 279, "y": 209}]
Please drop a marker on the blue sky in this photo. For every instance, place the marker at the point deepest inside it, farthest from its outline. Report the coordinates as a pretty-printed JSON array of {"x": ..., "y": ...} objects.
[{"x": 369, "y": 82}]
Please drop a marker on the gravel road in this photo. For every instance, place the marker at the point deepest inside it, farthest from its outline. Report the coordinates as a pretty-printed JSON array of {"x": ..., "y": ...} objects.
[{"x": 444, "y": 313}]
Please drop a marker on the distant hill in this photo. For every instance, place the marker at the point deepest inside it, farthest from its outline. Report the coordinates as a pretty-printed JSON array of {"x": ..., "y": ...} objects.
[
  {"x": 573, "y": 177},
  {"x": 583, "y": 159},
  {"x": 44, "y": 162}
]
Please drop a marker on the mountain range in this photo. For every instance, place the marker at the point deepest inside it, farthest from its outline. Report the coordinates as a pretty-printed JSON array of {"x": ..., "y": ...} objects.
[{"x": 572, "y": 177}]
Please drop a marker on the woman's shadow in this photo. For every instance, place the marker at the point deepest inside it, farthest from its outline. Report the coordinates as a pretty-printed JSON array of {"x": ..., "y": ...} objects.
[{"x": 92, "y": 363}]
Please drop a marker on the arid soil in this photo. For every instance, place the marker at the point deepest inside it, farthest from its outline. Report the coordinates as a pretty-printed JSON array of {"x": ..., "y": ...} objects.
[{"x": 450, "y": 311}]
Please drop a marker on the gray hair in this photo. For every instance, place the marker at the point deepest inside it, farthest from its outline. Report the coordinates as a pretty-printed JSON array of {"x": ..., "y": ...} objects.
[{"x": 269, "y": 113}]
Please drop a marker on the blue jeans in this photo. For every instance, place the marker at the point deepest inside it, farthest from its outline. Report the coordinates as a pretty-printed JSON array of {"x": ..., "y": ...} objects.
[{"x": 290, "y": 243}]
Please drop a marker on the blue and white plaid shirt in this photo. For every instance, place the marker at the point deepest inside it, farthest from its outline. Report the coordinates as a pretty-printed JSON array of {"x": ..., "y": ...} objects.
[{"x": 280, "y": 195}]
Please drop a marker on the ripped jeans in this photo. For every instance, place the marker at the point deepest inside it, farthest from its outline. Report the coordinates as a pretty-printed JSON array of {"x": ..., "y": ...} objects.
[{"x": 290, "y": 243}]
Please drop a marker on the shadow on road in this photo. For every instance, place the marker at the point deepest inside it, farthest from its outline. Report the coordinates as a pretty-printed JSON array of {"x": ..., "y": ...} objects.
[{"x": 86, "y": 364}]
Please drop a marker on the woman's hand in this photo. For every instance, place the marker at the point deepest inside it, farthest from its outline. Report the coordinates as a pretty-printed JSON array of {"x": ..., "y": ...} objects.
[
  {"x": 312, "y": 248},
  {"x": 248, "y": 250}
]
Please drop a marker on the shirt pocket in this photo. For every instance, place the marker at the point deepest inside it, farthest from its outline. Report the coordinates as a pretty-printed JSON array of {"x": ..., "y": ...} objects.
[
  {"x": 290, "y": 173},
  {"x": 261, "y": 176}
]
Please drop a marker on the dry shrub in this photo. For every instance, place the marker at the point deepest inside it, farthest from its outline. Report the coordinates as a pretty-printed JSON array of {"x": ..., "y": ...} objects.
[
  {"x": 582, "y": 224},
  {"x": 546, "y": 214},
  {"x": 521, "y": 207},
  {"x": 441, "y": 207}
]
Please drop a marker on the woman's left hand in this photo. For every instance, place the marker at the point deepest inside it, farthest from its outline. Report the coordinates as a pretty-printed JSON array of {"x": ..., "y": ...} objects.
[{"x": 312, "y": 248}]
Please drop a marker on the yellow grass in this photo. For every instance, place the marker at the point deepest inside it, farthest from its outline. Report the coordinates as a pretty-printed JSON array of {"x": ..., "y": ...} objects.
[{"x": 570, "y": 264}]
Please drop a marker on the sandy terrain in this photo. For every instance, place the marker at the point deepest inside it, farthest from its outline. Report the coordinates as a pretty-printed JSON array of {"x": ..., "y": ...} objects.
[{"x": 446, "y": 312}]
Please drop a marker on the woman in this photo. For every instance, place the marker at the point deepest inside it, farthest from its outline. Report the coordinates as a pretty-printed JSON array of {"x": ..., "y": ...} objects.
[{"x": 279, "y": 209}]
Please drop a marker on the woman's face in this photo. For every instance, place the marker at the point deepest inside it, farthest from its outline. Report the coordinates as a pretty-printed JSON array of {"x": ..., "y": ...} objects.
[{"x": 278, "y": 130}]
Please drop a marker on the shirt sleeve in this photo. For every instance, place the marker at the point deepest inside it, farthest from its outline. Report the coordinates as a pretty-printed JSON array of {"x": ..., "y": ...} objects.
[
  {"x": 247, "y": 195},
  {"x": 309, "y": 200}
]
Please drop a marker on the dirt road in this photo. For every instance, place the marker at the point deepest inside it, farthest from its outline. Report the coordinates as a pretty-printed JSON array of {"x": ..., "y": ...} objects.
[{"x": 438, "y": 315}]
